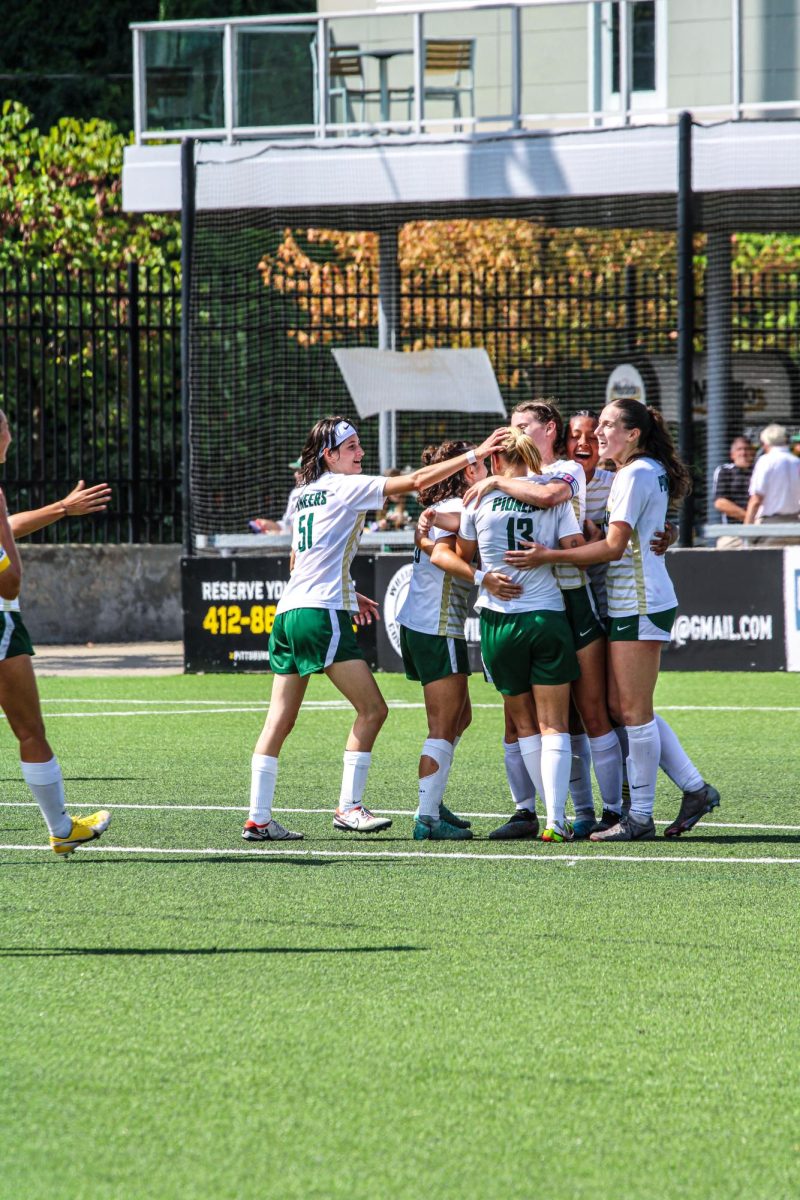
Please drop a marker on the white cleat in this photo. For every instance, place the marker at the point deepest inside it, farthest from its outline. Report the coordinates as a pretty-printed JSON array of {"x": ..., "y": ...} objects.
[{"x": 359, "y": 820}]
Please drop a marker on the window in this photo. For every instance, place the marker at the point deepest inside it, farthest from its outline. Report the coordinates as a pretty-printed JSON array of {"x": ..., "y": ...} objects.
[{"x": 647, "y": 37}]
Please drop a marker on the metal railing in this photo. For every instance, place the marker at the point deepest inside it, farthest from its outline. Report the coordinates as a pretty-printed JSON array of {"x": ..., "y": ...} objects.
[
  {"x": 90, "y": 380},
  {"x": 211, "y": 79}
]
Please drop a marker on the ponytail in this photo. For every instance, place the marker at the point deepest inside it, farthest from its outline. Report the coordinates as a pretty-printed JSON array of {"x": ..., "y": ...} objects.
[
  {"x": 656, "y": 442},
  {"x": 520, "y": 450}
]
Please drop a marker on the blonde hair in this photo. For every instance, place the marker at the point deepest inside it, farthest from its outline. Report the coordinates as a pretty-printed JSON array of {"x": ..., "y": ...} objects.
[{"x": 520, "y": 450}]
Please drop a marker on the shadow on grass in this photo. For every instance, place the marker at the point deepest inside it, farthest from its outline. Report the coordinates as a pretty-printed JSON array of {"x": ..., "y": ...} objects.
[
  {"x": 169, "y": 860},
  {"x": 145, "y": 951},
  {"x": 83, "y": 779}
]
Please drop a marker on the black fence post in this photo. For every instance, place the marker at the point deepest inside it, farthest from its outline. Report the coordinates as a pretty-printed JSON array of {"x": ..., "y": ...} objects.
[
  {"x": 685, "y": 222},
  {"x": 134, "y": 408},
  {"x": 187, "y": 238}
]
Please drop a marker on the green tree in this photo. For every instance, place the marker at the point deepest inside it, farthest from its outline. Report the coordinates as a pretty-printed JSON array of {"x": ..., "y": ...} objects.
[{"x": 60, "y": 198}]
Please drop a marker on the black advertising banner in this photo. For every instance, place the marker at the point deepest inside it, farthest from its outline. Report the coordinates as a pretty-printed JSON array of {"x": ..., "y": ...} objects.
[
  {"x": 730, "y": 611},
  {"x": 229, "y": 610}
]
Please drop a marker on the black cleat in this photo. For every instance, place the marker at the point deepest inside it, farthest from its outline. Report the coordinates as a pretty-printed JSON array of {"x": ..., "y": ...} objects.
[
  {"x": 693, "y": 806},
  {"x": 523, "y": 824}
]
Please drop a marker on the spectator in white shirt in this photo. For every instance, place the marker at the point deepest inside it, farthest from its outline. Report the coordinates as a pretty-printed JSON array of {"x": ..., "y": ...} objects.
[{"x": 774, "y": 485}]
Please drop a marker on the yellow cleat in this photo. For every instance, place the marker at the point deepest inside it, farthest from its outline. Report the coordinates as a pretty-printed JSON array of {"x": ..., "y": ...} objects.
[{"x": 84, "y": 829}]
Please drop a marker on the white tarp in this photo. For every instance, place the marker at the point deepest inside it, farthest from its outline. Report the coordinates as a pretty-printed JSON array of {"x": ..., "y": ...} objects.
[{"x": 423, "y": 381}]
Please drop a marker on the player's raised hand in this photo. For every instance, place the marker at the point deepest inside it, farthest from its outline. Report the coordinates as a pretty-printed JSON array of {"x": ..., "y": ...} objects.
[
  {"x": 425, "y": 521},
  {"x": 494, "y": 442},
  {"x": 501, "y": 585},
  {"x": 83, "y": 501}
]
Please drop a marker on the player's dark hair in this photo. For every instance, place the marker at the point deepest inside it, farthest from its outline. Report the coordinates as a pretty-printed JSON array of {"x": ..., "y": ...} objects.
[
  {"x": 586, "y": 412},
  {"x": 545, "y": 410},
  {"x": 312, "y": 464},
  {"x": 656, "y": 442},
  {"x": 454, "y": 485}
]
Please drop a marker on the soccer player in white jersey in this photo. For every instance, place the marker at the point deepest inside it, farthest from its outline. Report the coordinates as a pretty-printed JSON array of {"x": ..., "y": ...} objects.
[
  {"x": 434, "y": 646},
  {"x": 526, "y": 642},
  {"x": 313, "y": 629},
  {"x": 582, "y": 445},
  {"x": 19, "y": 695},
  {"x": 592, "y": 738},
  {"x": 642, "y": 606}
]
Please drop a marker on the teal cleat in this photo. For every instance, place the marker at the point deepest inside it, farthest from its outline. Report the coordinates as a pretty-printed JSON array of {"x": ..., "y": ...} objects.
[
  {"x": 452, "y": 819},
  {"x": 582, "y": 826},
  {"x": 439, "y": 831}
]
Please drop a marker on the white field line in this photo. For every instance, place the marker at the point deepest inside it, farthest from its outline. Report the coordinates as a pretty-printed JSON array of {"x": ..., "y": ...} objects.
[
  {"x": 569, "y": 860},
  {"x": 382, "y": 812},
  {"x": 236, "y": 708}
]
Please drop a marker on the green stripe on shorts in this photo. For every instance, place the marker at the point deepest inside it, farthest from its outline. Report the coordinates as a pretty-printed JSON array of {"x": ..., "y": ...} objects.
[
  {"x": 431, "y": 656},
  {"x": 304, "y": 641}
]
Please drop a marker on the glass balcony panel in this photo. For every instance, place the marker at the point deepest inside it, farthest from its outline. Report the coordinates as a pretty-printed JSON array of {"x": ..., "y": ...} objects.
[
  {"x": 467, "y": 70},
  {"x": 183, "y": 79},
  {"x": 370, "y": 70},
  {"x": 555, "y": 63},
  {"x": 770, "y": 61},
  {"x": 276, "y": 83}
]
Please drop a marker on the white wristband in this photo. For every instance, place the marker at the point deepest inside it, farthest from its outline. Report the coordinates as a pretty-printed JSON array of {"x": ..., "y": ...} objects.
[
  {"x": 478, "y": 578},
  {"x": 472, "y": 457}
]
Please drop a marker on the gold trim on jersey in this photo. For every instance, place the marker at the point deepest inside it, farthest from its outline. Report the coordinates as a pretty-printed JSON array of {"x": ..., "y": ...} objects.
[
  {"x": 348, "y": 596},
  {"x": 444, "y": 605},
  {"x": 638, "y": 572}
]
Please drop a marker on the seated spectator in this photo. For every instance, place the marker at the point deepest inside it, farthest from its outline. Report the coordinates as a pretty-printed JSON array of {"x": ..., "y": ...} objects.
[
  {"x": 732, "y": 488},
  {"x": 265, "y": 525},
  {"x": 394, "y": 515},
  {"x": 775, "y": 486}
]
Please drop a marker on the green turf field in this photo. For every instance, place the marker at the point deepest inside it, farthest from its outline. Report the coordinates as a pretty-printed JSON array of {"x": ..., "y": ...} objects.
[{"x": 184, "y": 1015}]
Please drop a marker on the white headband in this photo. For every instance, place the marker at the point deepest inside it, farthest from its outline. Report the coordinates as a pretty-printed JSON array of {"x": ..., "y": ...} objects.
[{"x": 341, "y": 432}]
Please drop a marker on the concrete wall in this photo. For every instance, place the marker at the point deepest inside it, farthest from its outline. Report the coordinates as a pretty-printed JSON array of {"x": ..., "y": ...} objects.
[{"x": 101, "y": 593}]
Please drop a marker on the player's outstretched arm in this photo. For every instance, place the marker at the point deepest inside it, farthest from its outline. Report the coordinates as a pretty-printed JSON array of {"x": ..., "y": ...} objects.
[{"x": 81, "y": 502}]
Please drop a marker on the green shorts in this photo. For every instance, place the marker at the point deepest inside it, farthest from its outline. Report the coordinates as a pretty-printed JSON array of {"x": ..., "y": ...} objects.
[
  {"x": 14, "y": 637},
  {"x": 650, "y": 627},
  {"x": 522, "y": 649},
  {"x": 582, "y": 615},
  {"x": 304, "y": 641},
  {"x": 431, "y": 656}
]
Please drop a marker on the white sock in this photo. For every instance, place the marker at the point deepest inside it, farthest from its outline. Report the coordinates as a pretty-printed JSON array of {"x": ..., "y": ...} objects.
[
  {"x": 675, "y": 762},
  {"x": 431, "y": 788},
  {"x": 644, "y": 750},
  {"x": 523, "y": 792},
  {"x": 263, "y": 774},
  {"x": 354, "y": 778},
  {"x": 580, "y": 778},
  {"x": 47, "y": 784},
  {"x": 556, "y": 767},
  {"x": 607, "y": 760}
]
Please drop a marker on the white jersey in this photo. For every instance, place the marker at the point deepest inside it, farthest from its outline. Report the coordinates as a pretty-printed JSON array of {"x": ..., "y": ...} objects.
[
  {"x": 326, "y": 530},
  {"x": 436, "y": 602},
  {"x": 499, "y": 524},
  {"x": 597, "y": 490},
  {"x": 568, "y": 575},
  {"x": 639, "y": 582}
]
